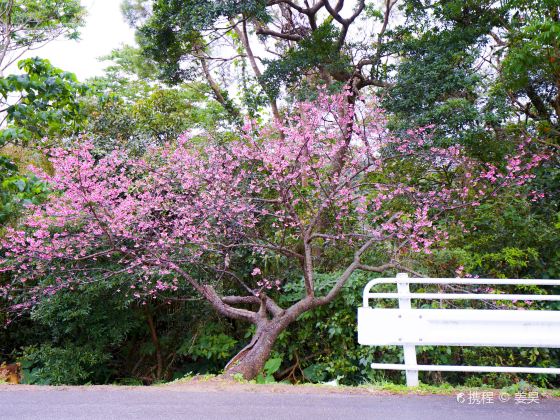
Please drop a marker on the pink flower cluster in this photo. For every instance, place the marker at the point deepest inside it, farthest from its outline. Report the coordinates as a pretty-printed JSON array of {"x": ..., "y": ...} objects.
[{"x": 331, "y": 172}]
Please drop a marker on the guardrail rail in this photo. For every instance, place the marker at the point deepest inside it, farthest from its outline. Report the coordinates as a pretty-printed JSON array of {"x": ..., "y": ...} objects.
[{"x": 409, "y": 327}]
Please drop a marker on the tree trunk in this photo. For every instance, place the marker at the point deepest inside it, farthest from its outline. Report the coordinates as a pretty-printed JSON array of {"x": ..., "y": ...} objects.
[
  {"x": 250, "y": 361},
  {"x": 155, "y": 342}
]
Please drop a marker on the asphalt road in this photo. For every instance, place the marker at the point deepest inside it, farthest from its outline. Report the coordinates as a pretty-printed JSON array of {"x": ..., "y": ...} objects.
[{"x": 161, "y": 403}]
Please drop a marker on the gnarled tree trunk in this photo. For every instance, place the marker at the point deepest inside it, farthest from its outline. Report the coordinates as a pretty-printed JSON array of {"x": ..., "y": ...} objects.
[{"x": 250, "y": 361}]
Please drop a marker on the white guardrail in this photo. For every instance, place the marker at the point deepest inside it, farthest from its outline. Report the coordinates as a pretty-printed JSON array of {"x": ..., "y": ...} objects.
[{"x": 410, "y": 327}]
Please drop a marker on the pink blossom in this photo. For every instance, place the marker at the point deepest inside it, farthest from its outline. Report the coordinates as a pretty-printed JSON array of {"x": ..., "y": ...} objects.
[
  {"x": 179, "y": 206},
  {"x": 256, "y": 271}
]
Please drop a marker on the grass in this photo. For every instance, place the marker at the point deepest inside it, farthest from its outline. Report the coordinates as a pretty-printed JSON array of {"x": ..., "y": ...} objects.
[
  {"x": 190, "y": 377},
  {"x": 448, "y": 389},
  {"x": 389, "y": 387}
]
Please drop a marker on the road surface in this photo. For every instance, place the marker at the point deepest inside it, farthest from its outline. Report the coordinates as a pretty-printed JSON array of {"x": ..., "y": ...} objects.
[{"x": 106, "y": 403}]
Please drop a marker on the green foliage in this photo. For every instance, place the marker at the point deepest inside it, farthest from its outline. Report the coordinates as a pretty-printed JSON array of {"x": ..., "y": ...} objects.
[
  {"x": 29, "y": 24},
  {"x": 17, "y": 190},
  {"x": 209, "y": 343},
  {"x": 270, "y": 368},
  {"x": 47, "y": 106},
  {"x": 506, "y": 239},
  {"x": 69, "y": 365},
  {"x": 322, "y": 346},
  {"x": 72, "y": 337},
  {"x": 127, "y": 63},
  {"x": 173, "y": 31},
  {"x": 318, "y": 49},
  {"x": 135, "y": 11},
  {"x": 443, "y": 45},
  {"x": 37, "y": 21},
  {"x": 534, "y": 56},
  {"x": 65, "y": 315},
  {"x": 110, "y": 329},
  {"x": 531, "y": 64},
  {"x": 437, "y": 81},
  {"x": 152, "y": 116},
  {"x": 127, "y": 108}
]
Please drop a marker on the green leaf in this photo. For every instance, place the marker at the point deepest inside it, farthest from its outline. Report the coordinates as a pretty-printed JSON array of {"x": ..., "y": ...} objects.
[{"x": 272, "y": 365}]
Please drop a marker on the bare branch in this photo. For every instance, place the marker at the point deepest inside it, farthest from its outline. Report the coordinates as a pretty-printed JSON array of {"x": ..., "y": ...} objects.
[
  {"x": 244, "y": 37},
  {"x": 232, "y": 110},
  {"x": 271, "y": 305},
  {"x": 263, "y": 30},
  {"x": 208, "y": 292}
]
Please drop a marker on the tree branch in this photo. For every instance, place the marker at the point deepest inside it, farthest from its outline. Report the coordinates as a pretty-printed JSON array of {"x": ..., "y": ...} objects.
[
  {"x": 232, "y": 110},
  {"x": 244, "y": 37},
  {"x": 355, "y": 265},
  {"x": 270, "y": 304},
  {"x": 208, "y": 292},
  {"x": 263, "y": 30}
]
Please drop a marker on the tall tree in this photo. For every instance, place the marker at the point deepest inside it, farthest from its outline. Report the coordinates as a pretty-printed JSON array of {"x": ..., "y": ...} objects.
[
  {"x": 286, "y": 43},
  {"x": 29, "y": 24},
  {"x": 475, "y": 67},
  {"x": 43, "y": 100},
  {"x": 42, "y": 104},
  {"x": 185, "y": 214},
  {"x": 130, "y": 108}
]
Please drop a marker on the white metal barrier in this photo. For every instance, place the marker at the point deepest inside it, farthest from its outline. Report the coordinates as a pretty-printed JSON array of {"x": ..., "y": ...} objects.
[{"x": 410, "y": 327}]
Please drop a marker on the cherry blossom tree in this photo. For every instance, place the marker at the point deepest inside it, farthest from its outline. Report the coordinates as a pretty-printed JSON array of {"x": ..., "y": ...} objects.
[{"x": 330, "y": 177}]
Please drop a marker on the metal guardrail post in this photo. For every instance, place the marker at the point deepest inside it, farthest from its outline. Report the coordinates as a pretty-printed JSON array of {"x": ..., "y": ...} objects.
[{"x": 409, "y": 349}]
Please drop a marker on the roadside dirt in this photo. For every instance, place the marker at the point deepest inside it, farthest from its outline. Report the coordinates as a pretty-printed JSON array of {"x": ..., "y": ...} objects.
[
  {"x": 215, "y": 384},
  {"x": 219, "y": 384},
  {"x": 208, "y": 385}
]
